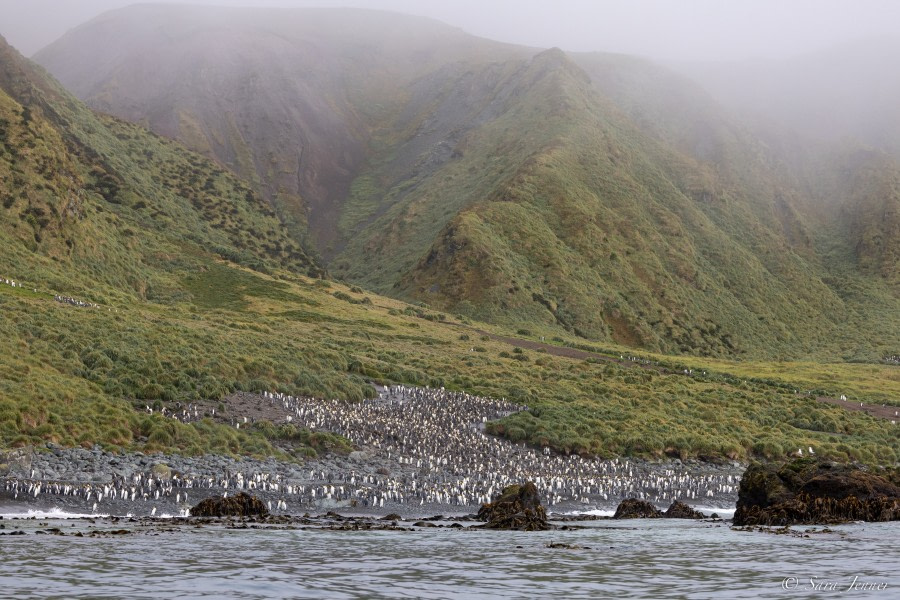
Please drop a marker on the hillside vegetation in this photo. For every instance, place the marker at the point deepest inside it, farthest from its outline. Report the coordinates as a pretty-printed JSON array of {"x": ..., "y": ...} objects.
[
  {"x": 83, "y": 376},
  {"x": 590, "y": 195},
  {"x": 197, "y": 295},
  {"x": 104, "y": 213}
]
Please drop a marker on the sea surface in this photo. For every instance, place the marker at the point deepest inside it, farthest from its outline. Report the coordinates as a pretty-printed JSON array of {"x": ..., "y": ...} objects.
[{"x": 627, "y": 559}]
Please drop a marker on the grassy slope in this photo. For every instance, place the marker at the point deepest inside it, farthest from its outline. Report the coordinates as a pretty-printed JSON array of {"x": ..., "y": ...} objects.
[
  {"x": 106, "y": 192},
  {"x": 837, "y": 206},
  {"x": 584, "y": 223},
  {"x": 177, "y": 322},
  {"x": 868, "y": 212},
  {"x": 105, "y": 212},
  {"x": 70, "y": 375},
  {"x": 611, "y": 198}
]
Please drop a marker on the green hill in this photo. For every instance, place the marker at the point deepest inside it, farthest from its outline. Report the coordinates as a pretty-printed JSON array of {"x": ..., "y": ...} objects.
[
  {"x": 90, "y": 192},
  {"x": 105, "y": 213},
  {"x": 596, "y": 195},
  {"x": 591, "y": 223},
  {"x": 199, "y": 293}
]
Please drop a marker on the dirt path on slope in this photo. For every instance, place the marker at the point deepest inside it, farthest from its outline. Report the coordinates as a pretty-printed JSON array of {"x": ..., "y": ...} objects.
[
  {"x": 876, "y": 410},
  {"x": 884, "y": 411}
]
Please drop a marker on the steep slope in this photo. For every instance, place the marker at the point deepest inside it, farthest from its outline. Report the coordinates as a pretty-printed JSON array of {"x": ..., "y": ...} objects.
[
  {"x": 96, "y": 194},
  {"x": 282, "y": 97},
  {"x": 595, "y": 194},
  {"x": 108, "y": 230},
  {"x": 861, "y": 190},
  {"x": 548, "y": 205}
]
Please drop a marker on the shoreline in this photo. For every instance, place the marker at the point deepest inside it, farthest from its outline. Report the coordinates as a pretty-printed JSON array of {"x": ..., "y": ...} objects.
[
  {"x": 72, "y": 479},
  {"x": 417, "y": 451},
  {"x": 101, "y": 525}
]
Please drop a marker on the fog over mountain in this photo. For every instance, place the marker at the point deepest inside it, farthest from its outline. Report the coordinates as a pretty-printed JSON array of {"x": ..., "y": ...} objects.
[
  {"x": 820, "y": 69},
  {"x": 595, "y": 193},
  {"x": 708, "y": 30},
  {"x": 851, "y": 92}
]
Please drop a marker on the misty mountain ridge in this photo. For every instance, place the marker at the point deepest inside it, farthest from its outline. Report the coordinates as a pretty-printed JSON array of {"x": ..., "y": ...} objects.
[{"x": 595, "y": 193}]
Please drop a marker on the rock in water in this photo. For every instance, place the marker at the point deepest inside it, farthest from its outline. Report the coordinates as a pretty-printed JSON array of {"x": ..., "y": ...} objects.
[
  {"x": 517, "y": 507},
  {"x": 680, "y": 510},
  {"x": 808, "y": 491},
  {"x": 240, "y": 505},
  {"x": 632, "y": 508}
]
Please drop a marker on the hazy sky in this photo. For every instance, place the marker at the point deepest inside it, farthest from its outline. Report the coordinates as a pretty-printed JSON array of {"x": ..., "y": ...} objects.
[{"x": 662, "y": 29}]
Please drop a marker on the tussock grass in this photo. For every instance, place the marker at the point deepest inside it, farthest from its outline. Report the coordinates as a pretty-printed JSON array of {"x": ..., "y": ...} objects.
[{"x": 73, "y": 376}]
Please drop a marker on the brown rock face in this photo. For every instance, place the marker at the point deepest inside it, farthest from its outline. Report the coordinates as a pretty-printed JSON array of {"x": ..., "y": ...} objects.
[
  {"x": 517, "y": 507},
  {"x": 680, "y": 510},
  {"x": 807, "y": 491},
  {"x": 241, "y": 505},
  {"x": 632, "y": 508}
]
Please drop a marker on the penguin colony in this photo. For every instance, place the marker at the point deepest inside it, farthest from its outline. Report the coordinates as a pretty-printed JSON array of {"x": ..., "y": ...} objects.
[
  {"x": 435, "y": 439},
  {"x": 440, "y": 433},
  {"x": 57, "y": 297}
]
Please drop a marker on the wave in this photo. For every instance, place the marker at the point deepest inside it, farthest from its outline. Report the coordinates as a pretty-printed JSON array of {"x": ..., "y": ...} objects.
[
  {"x": 596, "y": 512},
  {"x": 59, "y": 513},
  {"x": 725, "y": 513},
  {"x": 50, "y": 513}
]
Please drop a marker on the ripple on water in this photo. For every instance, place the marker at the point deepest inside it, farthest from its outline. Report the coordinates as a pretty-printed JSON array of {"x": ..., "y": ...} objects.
[{"x": 628, "y": 558}]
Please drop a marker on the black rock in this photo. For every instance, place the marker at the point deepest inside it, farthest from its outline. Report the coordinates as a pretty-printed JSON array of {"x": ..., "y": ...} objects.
[
  {"x": 632, "y": 508},
  {"x": 517, "y": 507},
  {"x": 680, "y": 510},
  {"x": 806, "y": 491},
  {"x": 240, "y": 505}
]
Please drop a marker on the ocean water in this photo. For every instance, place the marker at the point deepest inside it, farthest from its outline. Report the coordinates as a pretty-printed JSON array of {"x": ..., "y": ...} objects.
[{"x": 629, "y": 559}]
